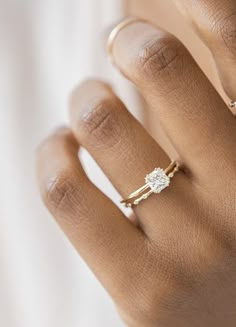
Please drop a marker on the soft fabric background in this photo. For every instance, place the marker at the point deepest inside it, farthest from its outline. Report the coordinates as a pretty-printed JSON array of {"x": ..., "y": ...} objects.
[{"x": 46, "y": 47}]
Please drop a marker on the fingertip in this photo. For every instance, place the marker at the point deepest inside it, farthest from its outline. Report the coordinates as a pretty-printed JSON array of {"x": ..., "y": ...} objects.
[
  {"x": 115, "y": 31},
  {"x": 85, "y": 96},
  {"x": 58, "y": 149}
]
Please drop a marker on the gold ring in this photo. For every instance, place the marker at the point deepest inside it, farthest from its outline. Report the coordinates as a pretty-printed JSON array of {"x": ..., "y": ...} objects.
[
  {"x": 232, "y": 104},
  {"x": 116, "y": 30},
  {"x": 155, "y": 182}
]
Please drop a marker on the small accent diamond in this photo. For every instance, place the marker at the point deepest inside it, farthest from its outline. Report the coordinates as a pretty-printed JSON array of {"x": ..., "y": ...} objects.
[{"x": 157, "y": 180}]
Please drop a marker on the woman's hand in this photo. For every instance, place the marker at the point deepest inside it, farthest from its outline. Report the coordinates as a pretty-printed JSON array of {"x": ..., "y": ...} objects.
[{"x": 178, "y": 266}]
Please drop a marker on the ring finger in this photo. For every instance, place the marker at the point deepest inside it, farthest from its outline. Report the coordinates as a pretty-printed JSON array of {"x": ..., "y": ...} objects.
[{"x": 121, "y": 146}]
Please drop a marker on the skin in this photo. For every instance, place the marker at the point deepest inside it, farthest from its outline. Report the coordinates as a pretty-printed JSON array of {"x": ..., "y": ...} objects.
[{"x": 177, "y": 265}]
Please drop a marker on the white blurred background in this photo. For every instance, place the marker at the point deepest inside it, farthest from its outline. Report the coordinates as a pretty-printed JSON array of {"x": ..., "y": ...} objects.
[{"x": 46, "y": 47}]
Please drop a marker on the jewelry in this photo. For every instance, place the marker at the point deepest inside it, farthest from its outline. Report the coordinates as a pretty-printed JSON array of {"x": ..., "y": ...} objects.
[
  {"x": 155, "y": 182},
  {"x": 116, "y": 30},
  {"x": 232, "y": 104}
]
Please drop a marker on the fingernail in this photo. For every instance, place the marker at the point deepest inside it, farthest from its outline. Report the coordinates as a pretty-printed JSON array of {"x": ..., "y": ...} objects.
[{"x": 113, "y": 32}]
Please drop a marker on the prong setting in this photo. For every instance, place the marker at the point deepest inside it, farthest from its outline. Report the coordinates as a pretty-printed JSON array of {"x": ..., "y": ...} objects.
[{"x": 155, "y": 182}]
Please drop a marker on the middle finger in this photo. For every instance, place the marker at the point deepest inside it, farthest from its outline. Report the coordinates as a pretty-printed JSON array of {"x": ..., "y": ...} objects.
[
  {"x": 121, "y": 146},
  {"x": 190, "y": 110}
]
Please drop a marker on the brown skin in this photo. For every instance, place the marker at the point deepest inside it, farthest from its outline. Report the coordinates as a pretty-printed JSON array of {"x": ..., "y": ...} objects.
[{"x": 178, "y": 267}]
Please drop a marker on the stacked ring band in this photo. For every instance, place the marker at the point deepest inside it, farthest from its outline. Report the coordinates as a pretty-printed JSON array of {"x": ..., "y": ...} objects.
[{"x": 155, "y": 182}]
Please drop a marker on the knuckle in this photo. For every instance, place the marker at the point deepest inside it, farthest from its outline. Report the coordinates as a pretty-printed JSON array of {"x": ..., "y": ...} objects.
[
  {"x": 146, "y": 309},
  {"x": 160, "y": 57},
  {"x": 60, "y": 192},
  {"x": 100, "y": 125},
  {"x": 226, "y": 32},
  {"x": 144, "y": 302}
]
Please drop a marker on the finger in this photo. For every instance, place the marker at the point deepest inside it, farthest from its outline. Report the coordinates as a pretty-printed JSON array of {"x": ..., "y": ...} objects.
[
  {"x": 119, "y": 144},
  {"x": 215, "y": 22},
  {"x": 99, "y": 231},
  {"x": 190, "y": 110},
  {"x": 126, "y": 153}
]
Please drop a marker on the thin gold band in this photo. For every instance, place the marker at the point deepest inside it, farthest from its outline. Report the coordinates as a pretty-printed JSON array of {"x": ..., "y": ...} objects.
[
  {"x": 116, "y": 30},
  {"x": 139, "y": 195}
]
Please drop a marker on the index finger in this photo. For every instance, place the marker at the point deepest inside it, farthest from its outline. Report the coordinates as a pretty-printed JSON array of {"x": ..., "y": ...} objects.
[{"x": 215, "y": 23}]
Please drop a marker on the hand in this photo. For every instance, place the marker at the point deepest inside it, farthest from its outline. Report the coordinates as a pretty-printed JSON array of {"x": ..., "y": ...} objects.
[{"x": 178, "y": 266}]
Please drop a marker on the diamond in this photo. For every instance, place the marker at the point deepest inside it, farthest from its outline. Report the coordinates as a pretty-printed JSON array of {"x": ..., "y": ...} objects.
[{"x": 157, "y": 180}]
